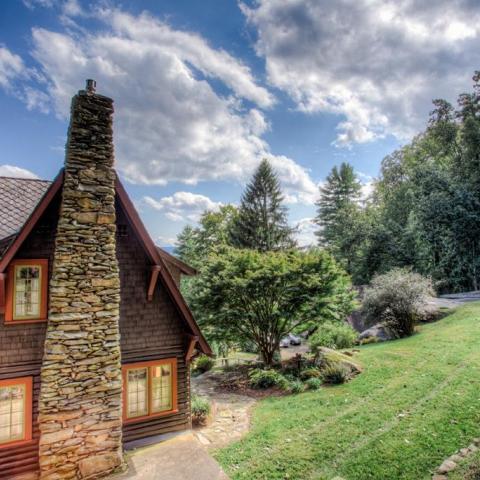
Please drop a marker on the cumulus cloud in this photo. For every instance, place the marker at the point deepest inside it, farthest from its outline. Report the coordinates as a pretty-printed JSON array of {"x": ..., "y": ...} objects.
[
  {"x": 170, "y": 123},
  {"x": 376, "y": 62},
  {"x": 182, "y": 206},
  {"x": 16, "y": 172}
]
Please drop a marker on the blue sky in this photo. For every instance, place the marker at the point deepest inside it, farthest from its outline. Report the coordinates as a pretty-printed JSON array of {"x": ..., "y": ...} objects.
[{"x": 204, "y": 90}]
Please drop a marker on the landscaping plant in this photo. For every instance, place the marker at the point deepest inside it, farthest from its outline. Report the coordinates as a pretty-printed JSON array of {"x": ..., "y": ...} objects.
[
  {"x": 204, "y": 363},
  {"x": 268, "y": 378},
  {"x": 200, "y": 409},
  {"x": 263, "y": 296},
  {"x": 397, "y": 298},
  {"x": 313, "y": 383},
  {"x": 335, "y": 335},
  {"x": 335, "y": 374}
]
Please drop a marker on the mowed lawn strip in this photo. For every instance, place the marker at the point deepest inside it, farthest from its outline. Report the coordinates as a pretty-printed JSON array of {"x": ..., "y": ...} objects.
[{"x": 417, "y": 401}]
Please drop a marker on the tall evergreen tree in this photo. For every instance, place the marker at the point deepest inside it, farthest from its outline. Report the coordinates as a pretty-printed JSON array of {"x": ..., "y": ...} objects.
[
  {"x": 339, "y": 214},
  {"x": 262, "y": 220}
]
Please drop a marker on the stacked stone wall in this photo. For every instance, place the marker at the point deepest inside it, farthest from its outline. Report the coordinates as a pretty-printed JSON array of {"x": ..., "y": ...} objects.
[{"x": 80, "y": 398}]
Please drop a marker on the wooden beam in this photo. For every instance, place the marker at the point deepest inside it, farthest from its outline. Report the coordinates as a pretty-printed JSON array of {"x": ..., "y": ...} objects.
[
  {"x": 193, "y": 339},
  {"x": 2, "y": 292},
  {"x": 155, "y": 271}
]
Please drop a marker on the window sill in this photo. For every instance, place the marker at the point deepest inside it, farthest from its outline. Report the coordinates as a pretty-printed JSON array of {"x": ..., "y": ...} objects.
[
  {"x": 18, "y": 443},
  {"x": 25, "y": 322},
  {"x": 127, "y": 421}
]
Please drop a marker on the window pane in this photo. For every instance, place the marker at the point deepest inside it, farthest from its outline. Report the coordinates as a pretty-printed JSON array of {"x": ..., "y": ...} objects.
[
  {"x": 137, "y": 394},
  {"x": 12, "y": 413},
  {"x": 27, "y": 291},
  {"x": 162, "y": 388}
]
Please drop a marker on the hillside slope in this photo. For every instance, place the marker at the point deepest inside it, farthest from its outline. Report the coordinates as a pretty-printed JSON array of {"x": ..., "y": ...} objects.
[{"x": 416, "y": 403}]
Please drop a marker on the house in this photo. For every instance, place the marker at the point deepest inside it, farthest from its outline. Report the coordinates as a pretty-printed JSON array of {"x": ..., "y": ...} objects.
[{"x": 95, "y": 336}]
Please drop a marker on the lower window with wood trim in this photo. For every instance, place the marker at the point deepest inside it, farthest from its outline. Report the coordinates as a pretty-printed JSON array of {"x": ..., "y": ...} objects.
[
  {"x": 149, "y": 389},
  {"x": 15, "y": 411}
]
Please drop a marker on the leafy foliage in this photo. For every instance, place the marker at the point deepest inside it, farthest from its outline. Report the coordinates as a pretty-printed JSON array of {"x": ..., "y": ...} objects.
[
  {"x": 262, "y": 222},
  {"x": 333, "y": 335},
  {"x": 313, "y": 383},
  {"x": 204, "y": 363},
  {"x": 424, "y": 212},
  {"x": 296, "y": 386},
  {"x": 397, "y": 298},
  {"x": 268, "y": 378},
  {"x": 200, "y": 408},
  {"x": 335, "y": 374},
  {"x": 263, "y": 296}
]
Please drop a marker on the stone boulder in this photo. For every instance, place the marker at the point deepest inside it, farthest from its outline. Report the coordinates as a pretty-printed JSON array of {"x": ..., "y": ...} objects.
[{"x": 380, "y": 331}]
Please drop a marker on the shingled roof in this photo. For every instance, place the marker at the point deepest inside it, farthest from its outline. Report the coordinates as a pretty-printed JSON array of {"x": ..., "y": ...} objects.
[{"x": 19, "y": 197}]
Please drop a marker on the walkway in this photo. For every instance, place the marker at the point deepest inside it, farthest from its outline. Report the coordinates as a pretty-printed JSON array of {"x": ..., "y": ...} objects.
[
  {"x": 180, "y": 458},
  {"x": 231, "y": 413}
]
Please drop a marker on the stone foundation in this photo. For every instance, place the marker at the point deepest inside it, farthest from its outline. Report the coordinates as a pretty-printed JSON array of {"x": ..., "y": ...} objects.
[{"x": 80, "y": 406}]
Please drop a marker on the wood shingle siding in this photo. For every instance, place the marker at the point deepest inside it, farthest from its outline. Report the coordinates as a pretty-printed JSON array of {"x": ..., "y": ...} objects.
[
  {"x": 149, "y": 330},
  {"x": 21, "y": 349}
]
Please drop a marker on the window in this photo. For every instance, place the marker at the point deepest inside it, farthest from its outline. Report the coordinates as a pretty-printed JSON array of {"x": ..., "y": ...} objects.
[
  {"x": 150, "y": 389},
  {"x": 27, "y": 291},
  {"x": 15, "y": 411}
]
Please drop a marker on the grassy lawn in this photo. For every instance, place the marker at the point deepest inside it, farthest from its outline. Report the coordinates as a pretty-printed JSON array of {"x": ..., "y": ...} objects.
[{"x": 416, "y": 403}]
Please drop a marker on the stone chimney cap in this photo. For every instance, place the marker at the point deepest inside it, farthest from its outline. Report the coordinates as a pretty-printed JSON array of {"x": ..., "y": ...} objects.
[{"x": 91, "y": 86}]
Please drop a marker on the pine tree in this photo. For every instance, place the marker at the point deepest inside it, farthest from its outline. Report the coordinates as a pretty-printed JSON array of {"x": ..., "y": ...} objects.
[
  {"x": 262, "y": 221},
  {"x": 338, "y": 214}
]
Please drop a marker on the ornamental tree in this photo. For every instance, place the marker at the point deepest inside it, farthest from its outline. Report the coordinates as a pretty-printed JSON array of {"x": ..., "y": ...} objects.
[{"x": 263, "y": 296}]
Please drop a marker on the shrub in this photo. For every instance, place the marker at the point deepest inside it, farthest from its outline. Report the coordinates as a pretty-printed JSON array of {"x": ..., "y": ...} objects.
[
  {"x": 200, "y": 409},
  {"x": 313, "y": 383},
  {"x": 335, "y": 374},
  {"x": 310, "y": 373},
  {"x": 397, "y": 298},
  {"x": 333, "y": 335},
  {"x": 296, "y": 386},
  {"x": 266, "y": 378},
  {"x": 204, "y": 363}
]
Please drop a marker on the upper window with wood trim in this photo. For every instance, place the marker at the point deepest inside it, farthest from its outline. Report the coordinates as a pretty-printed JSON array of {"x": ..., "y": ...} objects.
[
  {"x": 150, "y": 389},
  {"x": 27, "y": 291},
  {"x": 15, "y": 411}
]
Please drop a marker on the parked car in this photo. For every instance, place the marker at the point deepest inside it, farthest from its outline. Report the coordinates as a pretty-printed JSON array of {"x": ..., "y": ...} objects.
[
  {"x": 290, "y": 339},
  {"x": 294, "y": 339}
]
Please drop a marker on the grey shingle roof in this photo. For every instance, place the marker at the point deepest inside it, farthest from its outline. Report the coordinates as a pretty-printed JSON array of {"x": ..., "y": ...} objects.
[{"x": 18, "y": 199}]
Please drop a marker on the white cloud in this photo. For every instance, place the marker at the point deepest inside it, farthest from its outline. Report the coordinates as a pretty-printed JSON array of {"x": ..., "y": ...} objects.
[
  {"x": 170, "y": 123},
  {"x": 11, "y": 67},
  {"x": 378, "y": 63},
  {"x": 367, "y": 190},
  {"x": 306, "y": 232},
  {"x": 16, "y": 172},
  {"x": 182, "y": 206}
]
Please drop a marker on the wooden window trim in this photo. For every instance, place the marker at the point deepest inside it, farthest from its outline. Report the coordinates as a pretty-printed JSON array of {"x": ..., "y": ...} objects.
[
  {"x": 28, "y": 382},
  {"x": 43, "y": 263},
  {"x": 152, "y": 363}
]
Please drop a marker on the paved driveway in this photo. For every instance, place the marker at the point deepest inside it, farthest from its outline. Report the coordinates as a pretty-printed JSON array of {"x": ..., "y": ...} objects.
[{"x": 180, "y": 458}]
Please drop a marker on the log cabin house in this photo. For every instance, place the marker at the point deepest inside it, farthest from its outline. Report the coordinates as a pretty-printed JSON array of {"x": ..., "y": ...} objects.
[{"x": 95, "y": 336}]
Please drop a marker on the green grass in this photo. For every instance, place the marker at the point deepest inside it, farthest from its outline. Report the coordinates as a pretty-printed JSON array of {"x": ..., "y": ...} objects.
[{"x": 416, "y": 403}]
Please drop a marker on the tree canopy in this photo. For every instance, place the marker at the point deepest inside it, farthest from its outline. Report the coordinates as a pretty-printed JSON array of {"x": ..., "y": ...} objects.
[
  {"x": 262, "y": 222},
  {"x": 262, "y": 296}
]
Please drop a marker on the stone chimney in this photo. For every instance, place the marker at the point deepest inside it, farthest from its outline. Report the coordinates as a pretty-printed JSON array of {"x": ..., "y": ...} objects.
[{"x": 80, "y": 414}]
